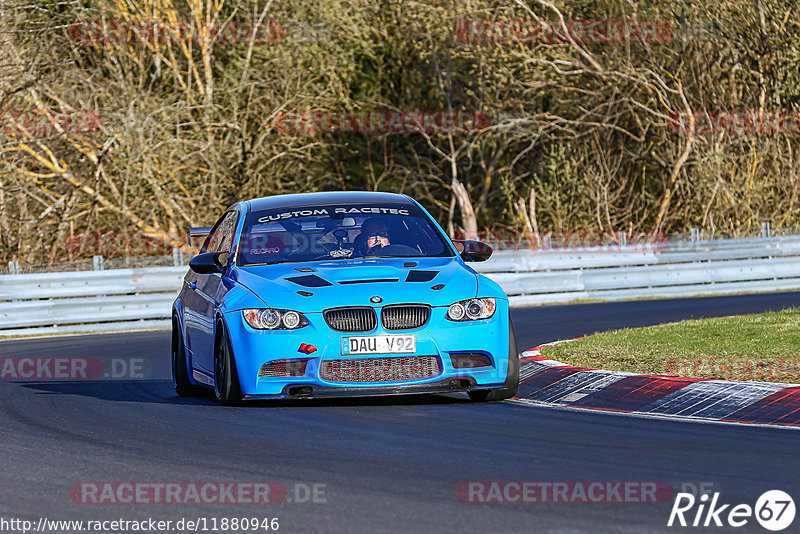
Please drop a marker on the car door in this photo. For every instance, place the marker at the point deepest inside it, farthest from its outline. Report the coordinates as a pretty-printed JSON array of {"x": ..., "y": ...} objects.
[{"x": 207, "y": 291}]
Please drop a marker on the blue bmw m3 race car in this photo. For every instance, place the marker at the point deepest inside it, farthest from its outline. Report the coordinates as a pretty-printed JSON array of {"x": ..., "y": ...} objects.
[{"x": 339, "y": 294}]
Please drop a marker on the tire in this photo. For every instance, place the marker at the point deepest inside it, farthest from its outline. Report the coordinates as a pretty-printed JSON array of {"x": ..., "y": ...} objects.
[
  {"x": 180, "y": 368},
  {"x": 511, "y": 384},
  {"x": 226, "y": 378}
]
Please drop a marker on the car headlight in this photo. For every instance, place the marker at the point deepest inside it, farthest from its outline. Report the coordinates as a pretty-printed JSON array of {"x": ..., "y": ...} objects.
[
  {"x": 472, "y": 309},
  {"x": 271, "y": 319}
]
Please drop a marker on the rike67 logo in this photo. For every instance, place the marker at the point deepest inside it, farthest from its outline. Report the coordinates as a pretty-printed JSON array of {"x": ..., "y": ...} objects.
[{"x": 774, "y": 510}]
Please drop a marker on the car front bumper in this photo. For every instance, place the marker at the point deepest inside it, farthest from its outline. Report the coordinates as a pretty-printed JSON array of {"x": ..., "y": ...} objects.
[{"x": 439, "y": 338}]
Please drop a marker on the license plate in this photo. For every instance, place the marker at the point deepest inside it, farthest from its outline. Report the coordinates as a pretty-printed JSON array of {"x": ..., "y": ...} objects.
[{"x": 379, "y": 344}]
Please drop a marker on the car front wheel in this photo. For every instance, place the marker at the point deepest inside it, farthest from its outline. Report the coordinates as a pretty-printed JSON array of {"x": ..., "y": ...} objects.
[{"x": 226, "y": 379}]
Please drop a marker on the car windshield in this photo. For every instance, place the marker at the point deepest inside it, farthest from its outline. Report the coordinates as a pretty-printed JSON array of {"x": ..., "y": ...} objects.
[{"x": 339, "y": 232}]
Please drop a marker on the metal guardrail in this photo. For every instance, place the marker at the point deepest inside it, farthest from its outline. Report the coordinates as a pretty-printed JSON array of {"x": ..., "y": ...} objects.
[
  {"x": 687, "y": 268},
  {"x": 122, "y": 299},
  {"x": 84, "y": 301}
]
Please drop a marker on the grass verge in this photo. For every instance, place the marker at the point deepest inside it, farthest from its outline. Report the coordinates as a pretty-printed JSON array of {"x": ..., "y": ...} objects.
[{"x": 763, "y": 347}]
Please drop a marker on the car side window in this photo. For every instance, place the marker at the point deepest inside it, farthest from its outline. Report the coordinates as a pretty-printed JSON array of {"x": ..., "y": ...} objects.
[
  {"x": 226, "y": 231},
  {"x": 221, "y": 237},
  {"x": 213, "y": 237}
]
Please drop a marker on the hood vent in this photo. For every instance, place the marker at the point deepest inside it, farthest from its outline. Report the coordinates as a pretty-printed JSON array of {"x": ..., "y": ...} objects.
[
  {"x": 309, "y": 280},
  {"x": 421, "y": 276},
  {"x": 371, "y": 281}
]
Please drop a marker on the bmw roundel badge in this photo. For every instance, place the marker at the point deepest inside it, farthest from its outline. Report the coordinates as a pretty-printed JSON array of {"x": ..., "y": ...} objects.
[{"x": 376, "y": 299}]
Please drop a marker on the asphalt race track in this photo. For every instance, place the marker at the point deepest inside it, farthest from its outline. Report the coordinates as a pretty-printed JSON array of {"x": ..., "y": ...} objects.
[{"x": 391, "y": 465}]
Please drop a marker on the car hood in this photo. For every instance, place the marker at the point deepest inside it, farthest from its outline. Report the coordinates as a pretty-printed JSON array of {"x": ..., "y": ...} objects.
[{"x": 434, "y": 281}]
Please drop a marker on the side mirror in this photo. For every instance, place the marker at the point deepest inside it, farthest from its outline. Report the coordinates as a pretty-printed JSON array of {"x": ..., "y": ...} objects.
[
  {"x": 473, "y": 250},
  {"x": 209, "y": 262}
]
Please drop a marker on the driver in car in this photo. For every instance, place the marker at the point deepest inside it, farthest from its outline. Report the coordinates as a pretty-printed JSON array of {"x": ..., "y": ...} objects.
[{"x": 374, "y": 235}]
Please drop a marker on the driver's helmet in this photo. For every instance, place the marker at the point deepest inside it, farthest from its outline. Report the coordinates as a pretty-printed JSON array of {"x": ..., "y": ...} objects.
[
  {"x": 371, "y": 227},
  {"x": 375, "y": 225}
]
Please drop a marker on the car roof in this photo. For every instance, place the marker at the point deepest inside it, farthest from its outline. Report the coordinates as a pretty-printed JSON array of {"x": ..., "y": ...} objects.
[{"x": 325, "y": 198}]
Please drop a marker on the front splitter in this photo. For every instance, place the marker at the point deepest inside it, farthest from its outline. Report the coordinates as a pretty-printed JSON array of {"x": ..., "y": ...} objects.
[{"x": 301, "y": 390}]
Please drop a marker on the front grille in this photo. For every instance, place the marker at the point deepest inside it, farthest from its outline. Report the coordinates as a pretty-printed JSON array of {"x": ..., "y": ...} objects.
[
  {"x": 380, "y": 369},
  {"x": 351, "y": 319},
  {"x": 405, "y": 316}
]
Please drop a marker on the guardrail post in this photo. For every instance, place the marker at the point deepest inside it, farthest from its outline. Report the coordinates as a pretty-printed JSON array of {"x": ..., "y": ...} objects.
[
  {"x": 695, "y": 234},
  {"x": 623, "y": 238},
  {"x": 13, "y": 267},
  {"x": 765, "y": 230},
  {"x": 97, "y": 261},
  {"x": 177, "y": 257}
]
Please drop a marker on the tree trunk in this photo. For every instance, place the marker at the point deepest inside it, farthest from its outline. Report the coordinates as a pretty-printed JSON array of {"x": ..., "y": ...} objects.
[{"x": 468, "y": 220}]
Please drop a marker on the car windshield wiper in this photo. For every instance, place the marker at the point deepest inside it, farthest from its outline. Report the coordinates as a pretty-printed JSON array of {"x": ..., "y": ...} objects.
[
  {"x": 366, "y": 258},
  {"x": 325, "y": 258},
  {"x": 267, "y": 263}
]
